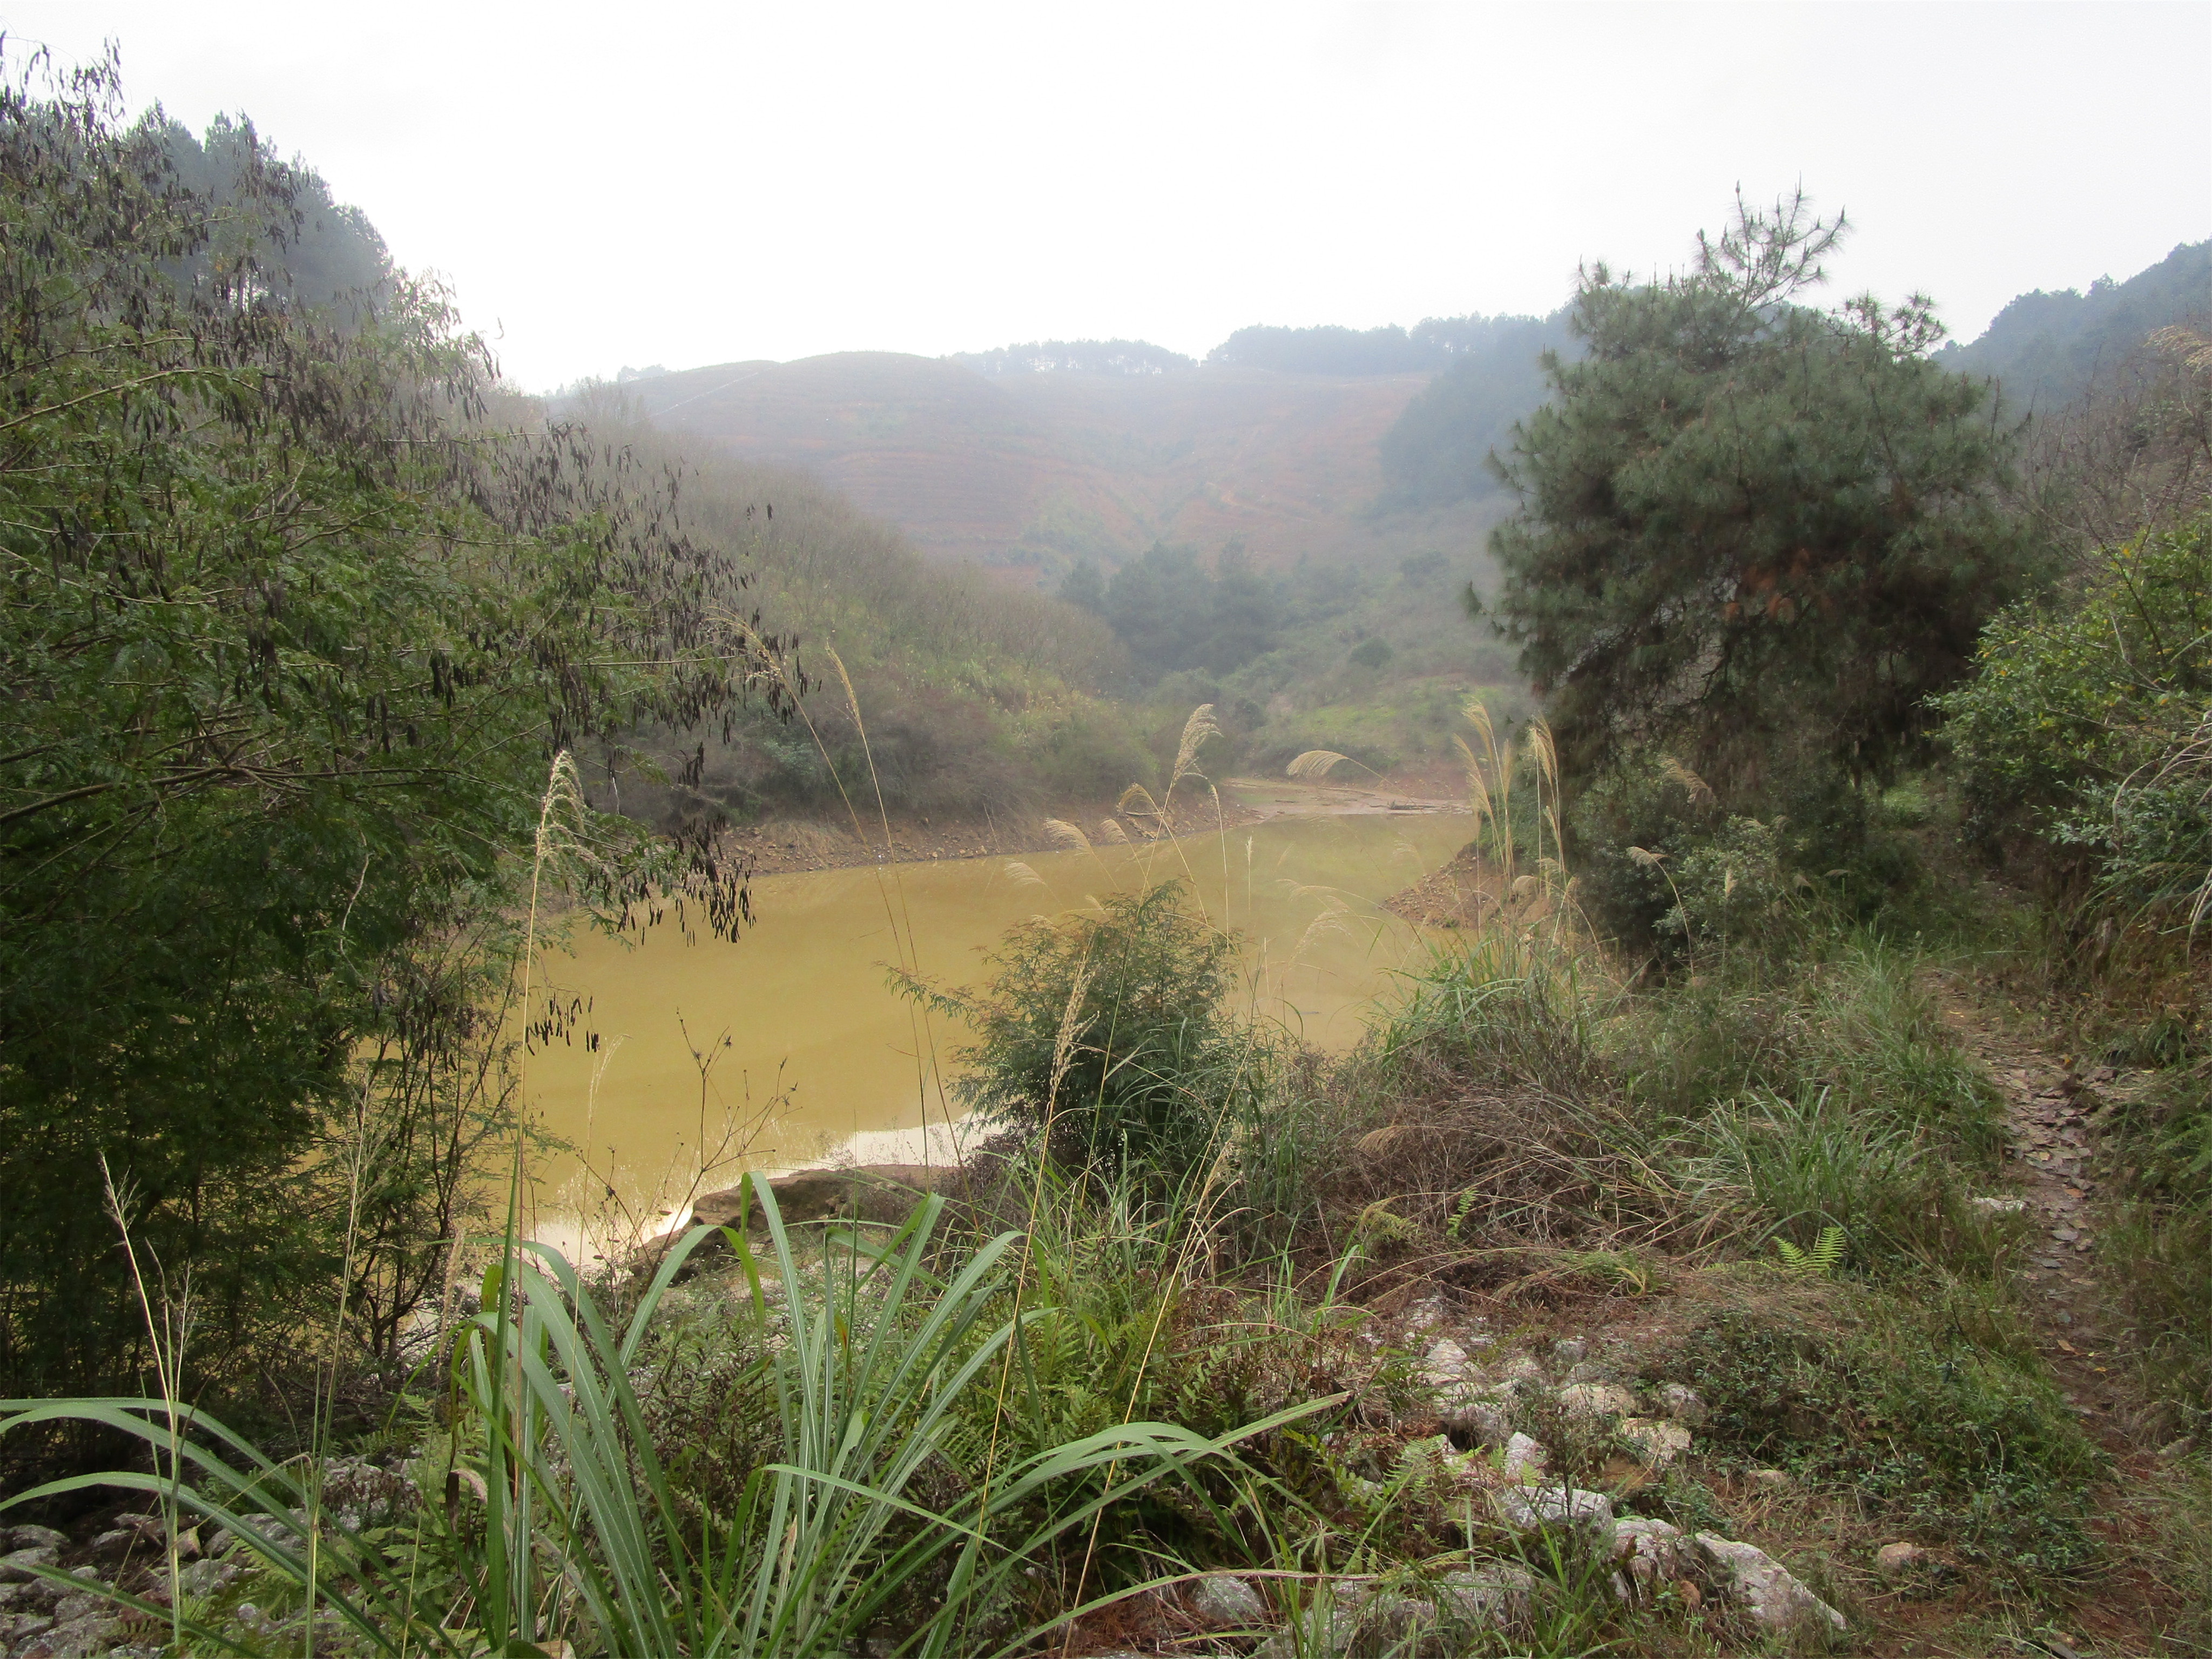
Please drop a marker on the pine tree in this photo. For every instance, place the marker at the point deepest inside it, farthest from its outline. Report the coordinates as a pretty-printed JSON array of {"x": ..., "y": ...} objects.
[{"x": 1754, "y": 534}]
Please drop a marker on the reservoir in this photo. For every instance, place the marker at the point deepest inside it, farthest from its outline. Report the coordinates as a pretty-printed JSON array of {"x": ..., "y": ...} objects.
[{"x": 691, "y": 1063}]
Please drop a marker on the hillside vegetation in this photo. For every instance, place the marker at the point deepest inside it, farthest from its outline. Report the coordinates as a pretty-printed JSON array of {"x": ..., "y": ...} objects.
[
  {"x": 1771, "y": 1220},
  {"x": 2047, "y": 349},
  {"x": 934, "y": 690}
]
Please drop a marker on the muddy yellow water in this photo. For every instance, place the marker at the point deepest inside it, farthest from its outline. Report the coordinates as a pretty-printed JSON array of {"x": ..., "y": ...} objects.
[{"x": 790, "y": 1044}]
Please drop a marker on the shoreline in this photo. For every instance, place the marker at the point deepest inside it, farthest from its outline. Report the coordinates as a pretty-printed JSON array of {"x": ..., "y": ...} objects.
[{"x": 786, "y": 846}]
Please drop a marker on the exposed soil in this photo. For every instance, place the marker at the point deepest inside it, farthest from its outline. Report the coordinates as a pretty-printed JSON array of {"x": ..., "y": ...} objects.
[
  {"x": 1457, "y": 896},
  {"x": 2051, "y": 1113}
]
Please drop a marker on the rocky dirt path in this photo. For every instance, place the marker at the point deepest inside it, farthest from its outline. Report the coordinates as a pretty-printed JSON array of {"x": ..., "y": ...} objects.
[{"x": 2050, "y": 1114}]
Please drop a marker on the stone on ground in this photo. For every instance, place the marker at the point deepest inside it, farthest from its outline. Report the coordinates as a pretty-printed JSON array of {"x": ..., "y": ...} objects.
[
  {"x": 1222, "y": 1599},
  {"x": 1545, "y": 1509},
  {"x": 1658, "y": 1441},
  {"x": 1595, "y": 1401},
  {"x": 1770, "y": 1592},
  {"x": 1681, "y": 1403}
]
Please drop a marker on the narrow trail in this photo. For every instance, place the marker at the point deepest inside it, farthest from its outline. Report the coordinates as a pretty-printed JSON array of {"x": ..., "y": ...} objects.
[
  {"x": 2050, "y": 1114},
  {"x": 2069, "y": 1300}
]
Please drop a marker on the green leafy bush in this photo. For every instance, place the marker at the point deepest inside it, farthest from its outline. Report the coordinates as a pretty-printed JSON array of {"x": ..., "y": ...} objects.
[
  {"x": 2162, "y": 1229},
  {"x": 2082, "y": 733},
  {"x": 298, "y": 613},
  {"x": 1648, "y": 802},
  {"x": 1738, "y": 889},
  {"x": 1113, "y": 1029},
  {"x": 1093, "y": 757}
]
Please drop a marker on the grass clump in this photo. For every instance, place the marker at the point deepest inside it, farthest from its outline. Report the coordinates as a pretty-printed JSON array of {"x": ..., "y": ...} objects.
[
  {"x": 1940, "y": 1424},
  {"x": 2163, "y": 1228},
  {"x": 840, "y": 1516}
]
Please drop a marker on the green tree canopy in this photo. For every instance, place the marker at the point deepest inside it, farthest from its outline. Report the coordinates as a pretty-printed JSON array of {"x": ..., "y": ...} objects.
[
  {"x": 290, "y": 627},
  {"x": 2085, "y": 734},
  {"x": 1751, "y": 531},
  {"x": 1173, "y": 613}
]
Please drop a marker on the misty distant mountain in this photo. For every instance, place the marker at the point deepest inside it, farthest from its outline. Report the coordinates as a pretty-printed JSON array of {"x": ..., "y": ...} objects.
[
  {"x": 1042, "y": 457},
  {"x": 1339, "y": 445},
  {"x": 1078, "y": 357},
  {"x": 2043, "y": 349},
  {"x": 1430, "y": 345}
]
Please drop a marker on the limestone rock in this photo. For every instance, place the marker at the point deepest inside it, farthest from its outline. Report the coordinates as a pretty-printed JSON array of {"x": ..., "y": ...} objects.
[
  {"x": 1447, "y": 1369},
  {"x": 1593, "y": 1400},
  {"x": 1490, "y": 1593},
  {"x": 1657, "y": 1440},
  {"x": 1770, "y": 1592},
  {"x": 1484, "y": 1420},
  {"x": 1466, "y": 1401},
  {"x": 30, "y": 1596},
  {"x": 1222, "y": 1599},
  {"x": 1651, "y": 1552},
  {"x": 16, "y": 1627},
  {"x": 1682, "y": 1403},
  {"x": 1570, "y": 1351},
  {"x": 1518, "y": 1369},
  {"x": 206, "y": 1578},
  {"x": 1524, "y": 1459},
  {"x": 1997, "y": 1205},
  {"x": 359, "y": 1494},
  {"x": 15, "y": 1566},
  {"x": 76, "y": 1639},
  {"x": 884, "y": 1192},
  {"x": 1769, "y": 1479},
  {"x": 31, "y": 1538},
  {"x": 1426, "y": 1315},
  {"x": 1546, "y": 1509},
  {"x": 1412, "y": 1622},
  {"x": 1896, "y": 1560}
]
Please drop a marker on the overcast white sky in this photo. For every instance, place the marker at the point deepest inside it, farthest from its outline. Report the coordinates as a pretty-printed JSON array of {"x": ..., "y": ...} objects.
[{"x": 695, "y": 183}]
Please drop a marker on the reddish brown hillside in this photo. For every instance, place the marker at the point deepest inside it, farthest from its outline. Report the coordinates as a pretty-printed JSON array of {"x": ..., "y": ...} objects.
[{"x": 1033, "y": 471}]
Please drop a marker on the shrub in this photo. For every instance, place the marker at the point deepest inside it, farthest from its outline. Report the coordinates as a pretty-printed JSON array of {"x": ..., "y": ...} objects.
[
  {"x": 1737, "y": 888},
  {"x": 1650, "y": 803},
  {"x": 1112, "y": 1029},
  {"x": 2163, "y": 1231},
  {"x": 265, "y": 743},
  {"x": 1092, "y": 756},
  {"x": 2082, "y": 733}
]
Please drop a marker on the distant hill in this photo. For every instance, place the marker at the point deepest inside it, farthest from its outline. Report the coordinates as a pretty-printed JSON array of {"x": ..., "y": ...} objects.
[
  {"x": 1037, "y": 457},
  {"x": 1439, "y": 452},
  {"x": 2044, "y": 348},
  {"x": 1434, "y": 343},
  {"x": 1078, "y": 357},
  {"x": 1346, "y": 446}
]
